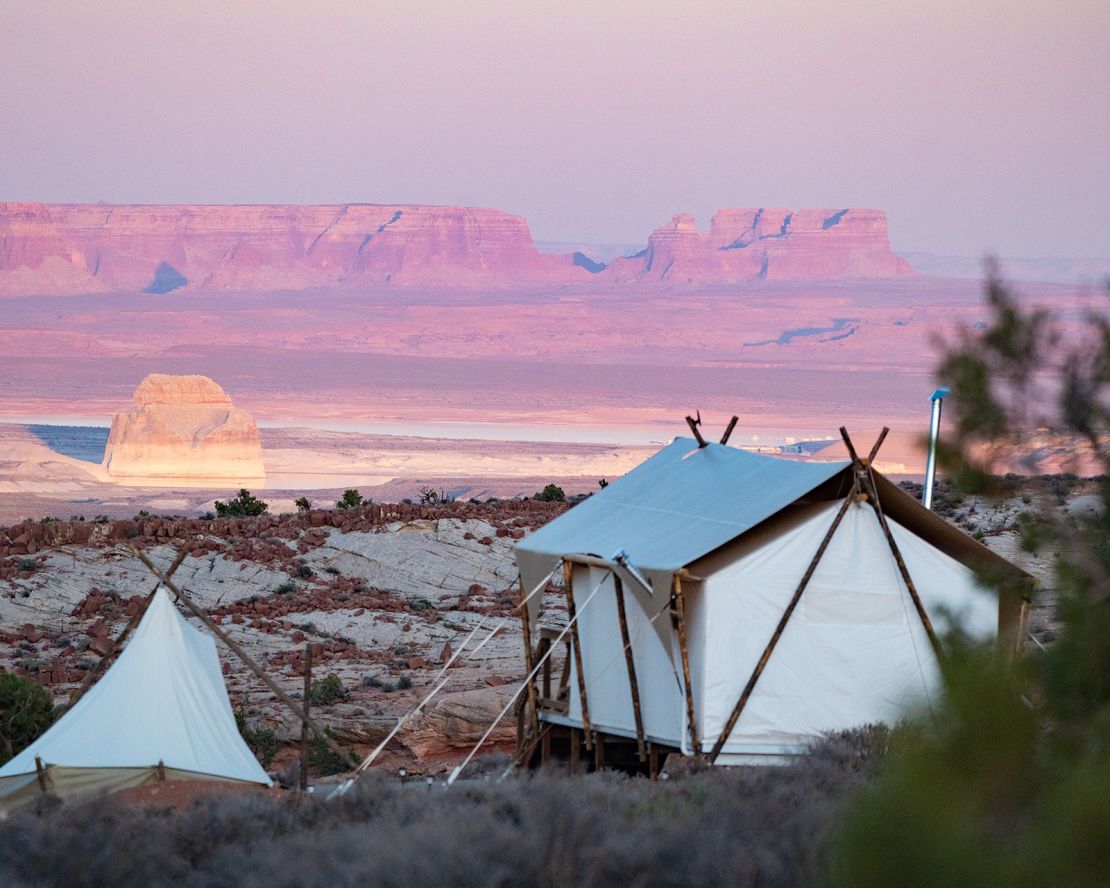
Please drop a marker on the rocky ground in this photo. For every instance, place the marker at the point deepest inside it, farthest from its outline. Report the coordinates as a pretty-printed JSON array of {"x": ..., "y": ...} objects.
[{"x": 383, "y": 595}]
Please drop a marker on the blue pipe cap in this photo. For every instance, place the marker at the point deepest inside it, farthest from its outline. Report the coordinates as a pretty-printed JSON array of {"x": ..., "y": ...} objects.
[{"x": 939, "y": 394}]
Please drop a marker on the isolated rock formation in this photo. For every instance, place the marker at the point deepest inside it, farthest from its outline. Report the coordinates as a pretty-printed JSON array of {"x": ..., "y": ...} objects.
[
  {"x": 766, "y": 244},
  {"x": 183, "y": 429}
]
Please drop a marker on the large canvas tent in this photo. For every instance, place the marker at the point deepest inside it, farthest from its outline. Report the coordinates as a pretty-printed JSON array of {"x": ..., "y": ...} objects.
[
  {"x": 783, "y": 599},
  {"x": 161, "y": 712}
]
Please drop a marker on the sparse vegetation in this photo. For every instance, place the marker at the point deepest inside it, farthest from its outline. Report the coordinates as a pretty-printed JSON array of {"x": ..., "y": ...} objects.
[
  {"x": 26, "y": 711},
  {"x": 429, "y": 496},
  {"x": 262, "y": 740},
  {"x": 326, "y": 762},
  {"x": 351, "y": 499},
  {"x": 303, "y": 503},
  {"x": 749, "y": 826},
  {"x": 29, "y": 565},
  {"x": 326, "y": 691},
  {"x": 552, "y": 494},
  {"x": 245, "y": 505}
]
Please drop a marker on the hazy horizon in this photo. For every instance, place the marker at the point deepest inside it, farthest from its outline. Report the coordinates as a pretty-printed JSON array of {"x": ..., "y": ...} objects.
[{"x": 976, "y": 129}]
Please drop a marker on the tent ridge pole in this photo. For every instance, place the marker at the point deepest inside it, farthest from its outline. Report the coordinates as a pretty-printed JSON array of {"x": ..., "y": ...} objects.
[
  {"x": 745, "y": 695},
  {"x": 633, "y": 685},
  {"x": 576, "y": 647},
  {"x": 678, "y": 612}
]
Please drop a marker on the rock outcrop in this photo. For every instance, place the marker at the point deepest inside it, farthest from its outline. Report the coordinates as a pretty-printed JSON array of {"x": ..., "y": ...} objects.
[
  {"x": 183, "y": 430},
  {"x": 80, "y": 248},
  {"x": 766, "y": 244},
  {"x": 87, "y": 248}
]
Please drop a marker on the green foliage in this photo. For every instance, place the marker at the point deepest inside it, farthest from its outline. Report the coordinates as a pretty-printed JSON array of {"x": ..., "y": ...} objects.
[
  {"x": 351, "y": 499},
  {"x": 325, "y": 691},
  {"x": 29, "y": 564},
  {"x": 326, "y": 762},
  {"x": 551, "y": 494},
  {"x": 26, "y": 711},
  {"x": 429, "y": 496},
  {"x": 303, "y": 503},
  {"x": 262, "y": 741},
  {"x": 245, "y": 505},
  {"x": 1006, "y": 781}
]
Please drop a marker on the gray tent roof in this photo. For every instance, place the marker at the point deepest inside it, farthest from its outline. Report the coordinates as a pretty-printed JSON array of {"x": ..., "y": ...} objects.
[{"x": 681, "y": 504}]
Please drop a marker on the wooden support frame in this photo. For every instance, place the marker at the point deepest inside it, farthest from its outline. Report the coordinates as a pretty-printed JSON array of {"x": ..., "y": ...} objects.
[
  {"x": 259, "y": 673},
  {"x": 40, "y": 773},
  {"x": 529, "y": 661},
  {"x": 678, "y": 613},
  {"x": 576, "y": 648},
  {"x": 630, "y": 663},
  {"x": 746, "y": 694},
  {"x": 307, "y": 699}
]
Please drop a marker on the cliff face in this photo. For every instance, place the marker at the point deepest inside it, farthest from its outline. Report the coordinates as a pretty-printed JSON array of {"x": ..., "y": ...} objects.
[
  {"x": 88, "y": 248},
  {"x": 767, "y": 244},
  {"x": 93, "y": 247},
  {"x": 183, "y": 430}
]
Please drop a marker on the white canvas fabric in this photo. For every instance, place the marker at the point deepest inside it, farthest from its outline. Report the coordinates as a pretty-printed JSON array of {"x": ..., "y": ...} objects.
[
  {"x": 854, "y": 651},
  {"x": 163, "y": 700}
]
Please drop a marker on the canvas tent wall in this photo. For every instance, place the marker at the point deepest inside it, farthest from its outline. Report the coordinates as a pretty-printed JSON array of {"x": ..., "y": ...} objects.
[
  {"x": 160, "y": 712},
  {"x": 740, "y": 529}
]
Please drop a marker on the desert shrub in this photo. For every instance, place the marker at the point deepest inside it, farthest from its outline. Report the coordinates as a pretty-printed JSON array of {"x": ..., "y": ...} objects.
[
  {"x": 743, "y": 826},
  {"x": 552, "y": 494},
  {"x": 26, "y": 711},
  {"x": 303, "y": 503},
  {"x": 325, "y": 761},
  {"x": 1007, "y": 781},
  {"x": 404, "y": 683},
  {"x": 286, "y": 588},
  {"x": 429, "y": 496},
  {"x": 325, "y": 691},
  {"x": 304, "y": 571},
  {"x": 28, "y": 564},
  {"x": 245, "y": 505},
  {"x": 262, "y": 740},
  {"x": 351, "y": 499}
]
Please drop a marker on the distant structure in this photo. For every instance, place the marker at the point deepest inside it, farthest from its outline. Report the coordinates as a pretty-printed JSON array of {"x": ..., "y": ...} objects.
[{"x": 183, "y": 430}]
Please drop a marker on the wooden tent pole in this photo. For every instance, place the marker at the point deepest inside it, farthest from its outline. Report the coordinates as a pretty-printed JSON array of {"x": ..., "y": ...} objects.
[
  {"x": 576, "y": 647},
  {"x": 199, "y": 613},
  {"x": 679, "y": 614},
  {"x": 106, "y": 660},
  {"x": 902, "y": 569},
  {"x": 529, "y": 660},
  {"x": 307, "y": 700},
  {"x": 693, "y": 424},
  {"x": 626, "y": 640},
  {"x": 746, "y": 694},
  {"x": 728, "y": 431},
  {"x": 40, "y": 773}
]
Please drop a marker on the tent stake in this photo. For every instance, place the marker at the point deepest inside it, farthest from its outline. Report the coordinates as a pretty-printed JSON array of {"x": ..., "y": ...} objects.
[
  {"x": 576, "y": 646},
  {"x": 307, "y": 700},
  {"x": 199, "y": 613},
  {"x": 678, "y": 612},
  {"x": 630, "y": 663},
  {"x": 40, "y": 773},
  {"x": 746, "y": 694},
  {"x": 106, "y": 660}
]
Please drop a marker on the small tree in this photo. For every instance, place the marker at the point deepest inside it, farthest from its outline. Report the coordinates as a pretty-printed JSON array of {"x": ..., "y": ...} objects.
[
  {"x": 429, "y": 496},
  {"x": 26, "y": 711},
  {"x": 551, "y": 494},
  {"x": 351, "y": 499},
  {"x": 245, "y": 505},
  {"x": 303, "y": 503}
]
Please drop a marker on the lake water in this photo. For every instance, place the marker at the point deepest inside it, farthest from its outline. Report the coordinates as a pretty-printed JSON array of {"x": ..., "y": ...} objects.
[{"x": 80, "y": 442}]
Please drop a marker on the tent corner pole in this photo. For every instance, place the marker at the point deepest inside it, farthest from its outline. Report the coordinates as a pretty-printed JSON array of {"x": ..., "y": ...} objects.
[
  {"x": 633, "y": 684},
  {"x": 576, "y": 647},
  {"x": 678, "y": 612},
  {"x": 529, "y": 660}
]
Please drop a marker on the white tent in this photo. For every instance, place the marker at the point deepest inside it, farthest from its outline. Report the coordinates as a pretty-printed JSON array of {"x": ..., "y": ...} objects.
[
  {"x": 160, "y": 712},
  {"x": 726, "y": 539}
]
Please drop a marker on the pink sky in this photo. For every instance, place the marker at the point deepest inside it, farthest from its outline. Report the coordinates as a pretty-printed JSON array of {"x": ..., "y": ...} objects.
[{"x": 981, "y": 125}]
